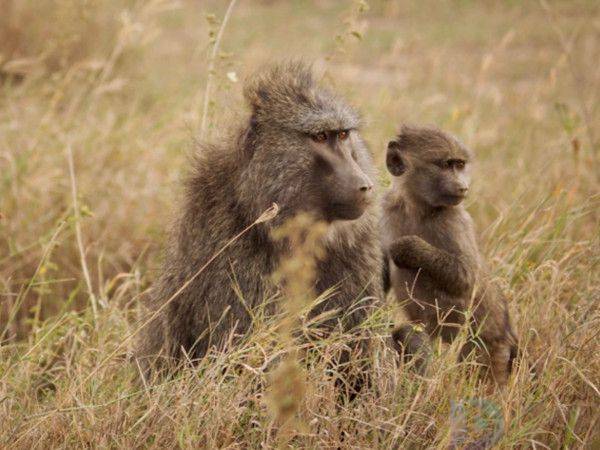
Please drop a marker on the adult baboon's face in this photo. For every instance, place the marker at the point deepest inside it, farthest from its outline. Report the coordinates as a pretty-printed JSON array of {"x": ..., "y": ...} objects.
[
  {"x": 328, "y": 174},
  {"x": 303, "y": 150},
  {"x": 342, "y": 187}
]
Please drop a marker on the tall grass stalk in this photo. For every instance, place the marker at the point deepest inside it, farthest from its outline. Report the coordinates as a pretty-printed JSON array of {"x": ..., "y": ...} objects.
[
  {"x": 211, "y": 68},
  {"x": 79, "y": 235}
]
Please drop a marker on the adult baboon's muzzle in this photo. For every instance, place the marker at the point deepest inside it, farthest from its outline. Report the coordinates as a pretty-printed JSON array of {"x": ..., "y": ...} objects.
[{"x": 351, "y": 191}]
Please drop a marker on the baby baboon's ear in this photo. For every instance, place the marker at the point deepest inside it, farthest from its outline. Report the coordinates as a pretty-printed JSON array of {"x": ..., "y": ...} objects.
[{"x": 394, "y": 160}]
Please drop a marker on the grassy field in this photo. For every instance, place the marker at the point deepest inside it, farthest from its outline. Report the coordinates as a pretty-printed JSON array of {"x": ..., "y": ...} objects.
[{"x": 100, "y": 104}]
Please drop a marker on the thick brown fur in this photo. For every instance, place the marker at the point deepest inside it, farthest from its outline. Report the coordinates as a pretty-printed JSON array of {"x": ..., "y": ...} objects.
[
  {"x": 435, "y": 267},
  {"x": 278, "y": 155}
]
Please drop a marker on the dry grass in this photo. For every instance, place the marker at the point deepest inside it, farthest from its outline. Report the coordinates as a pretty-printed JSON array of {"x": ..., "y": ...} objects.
[{"x": 123, "y": 87}]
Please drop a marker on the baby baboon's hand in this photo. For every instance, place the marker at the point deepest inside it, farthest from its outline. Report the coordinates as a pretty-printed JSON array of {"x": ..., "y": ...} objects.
[{"x": 406, "y": 251}]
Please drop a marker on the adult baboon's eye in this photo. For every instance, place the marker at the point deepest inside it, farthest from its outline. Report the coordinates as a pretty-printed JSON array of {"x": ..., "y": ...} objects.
[
  {"x": 319, "y": 137},
  {"x": 343, "y": 135},
  {"x": 455, "y": 164}
]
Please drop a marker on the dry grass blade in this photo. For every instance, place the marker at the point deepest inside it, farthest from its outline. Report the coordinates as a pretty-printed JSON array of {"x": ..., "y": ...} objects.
[
  {"x": 78, "y": 234},
  {"x": 211, "y": 68}
]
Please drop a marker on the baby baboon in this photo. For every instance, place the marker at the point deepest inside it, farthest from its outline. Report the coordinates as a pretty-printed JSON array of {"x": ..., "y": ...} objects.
[
  {"x": 299, "y": 148},
  {"x": 429, "y": 240}
]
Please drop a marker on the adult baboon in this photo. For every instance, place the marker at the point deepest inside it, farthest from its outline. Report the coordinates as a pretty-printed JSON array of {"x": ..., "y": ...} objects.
[
  {"x": 299, "y": 148},
  {"x": 429, "y": 238}
]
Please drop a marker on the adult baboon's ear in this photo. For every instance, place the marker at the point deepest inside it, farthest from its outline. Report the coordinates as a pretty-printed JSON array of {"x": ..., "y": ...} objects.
[{"x": 393, "y": 160}]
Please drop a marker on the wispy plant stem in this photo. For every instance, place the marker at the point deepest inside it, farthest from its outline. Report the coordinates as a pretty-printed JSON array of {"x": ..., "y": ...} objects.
[
  {"x": 79, "y": 236},
  {"x": 211, "y": 67}
]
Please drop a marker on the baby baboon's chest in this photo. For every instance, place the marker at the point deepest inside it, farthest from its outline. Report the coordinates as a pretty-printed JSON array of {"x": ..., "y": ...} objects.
[{"x": 413, "y": 283}]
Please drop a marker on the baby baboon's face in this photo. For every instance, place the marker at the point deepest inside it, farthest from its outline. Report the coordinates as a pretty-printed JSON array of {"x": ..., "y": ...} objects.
[
  {"x": 339, "y": 166},
  {"x": 434, "y": 166},
  {"x": 440, "y": 179}
]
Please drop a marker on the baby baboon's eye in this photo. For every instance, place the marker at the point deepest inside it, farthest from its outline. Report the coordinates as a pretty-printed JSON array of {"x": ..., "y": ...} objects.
[
  {"x": 319, "y": 137},
  {"x": 343, "y": 135}
]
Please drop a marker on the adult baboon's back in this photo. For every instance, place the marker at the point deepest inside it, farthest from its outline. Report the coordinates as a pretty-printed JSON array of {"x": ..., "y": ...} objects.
[{"x": 299, "y": 148}]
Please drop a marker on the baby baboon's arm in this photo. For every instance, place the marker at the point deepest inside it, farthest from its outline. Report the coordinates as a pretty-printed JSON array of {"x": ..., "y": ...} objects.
[{"x": 455, "y": 274}]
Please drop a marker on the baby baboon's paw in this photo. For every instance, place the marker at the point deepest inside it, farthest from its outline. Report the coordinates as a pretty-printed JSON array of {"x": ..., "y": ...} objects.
[{"x": 410, "y": 251}]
